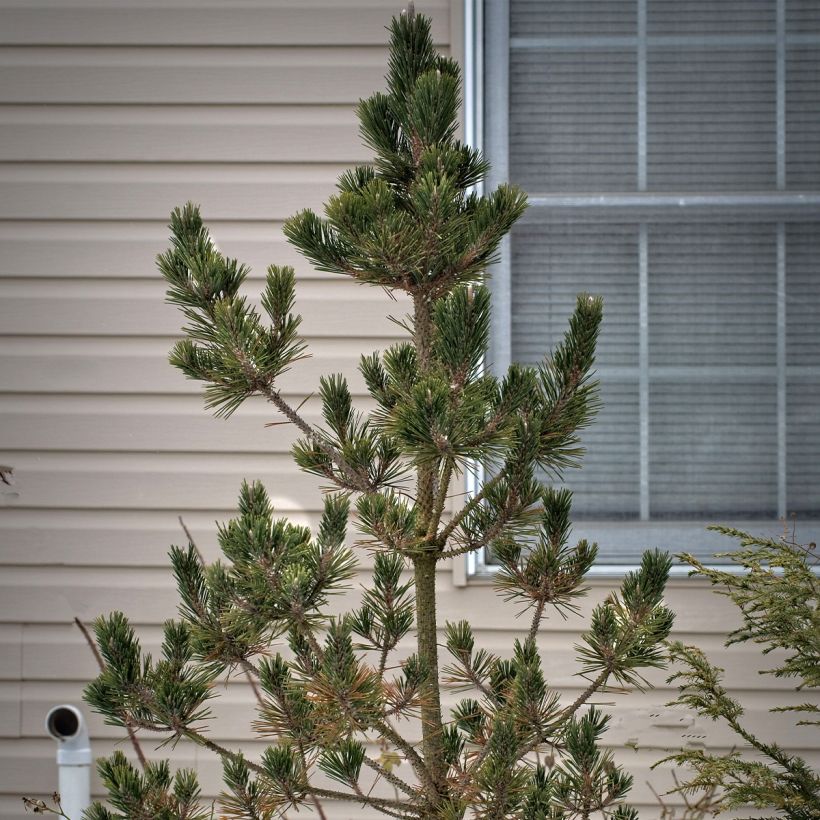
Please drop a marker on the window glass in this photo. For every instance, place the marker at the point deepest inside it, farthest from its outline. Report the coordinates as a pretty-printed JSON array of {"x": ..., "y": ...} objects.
[{"x": 671, "y": 152}]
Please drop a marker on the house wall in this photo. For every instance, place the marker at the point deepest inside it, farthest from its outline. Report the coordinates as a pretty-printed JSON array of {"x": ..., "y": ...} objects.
[{"x": 111, "y": 113}]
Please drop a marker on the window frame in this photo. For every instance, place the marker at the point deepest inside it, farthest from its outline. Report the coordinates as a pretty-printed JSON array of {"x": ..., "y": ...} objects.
[{"x": 487, "y": 41}]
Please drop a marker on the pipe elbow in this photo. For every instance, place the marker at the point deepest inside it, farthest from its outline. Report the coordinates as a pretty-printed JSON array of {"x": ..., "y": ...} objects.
[{"x": 66, "y": 724}]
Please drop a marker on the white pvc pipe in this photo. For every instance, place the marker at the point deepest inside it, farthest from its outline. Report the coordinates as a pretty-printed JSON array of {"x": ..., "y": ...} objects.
[{"x": 67, "y": 726}]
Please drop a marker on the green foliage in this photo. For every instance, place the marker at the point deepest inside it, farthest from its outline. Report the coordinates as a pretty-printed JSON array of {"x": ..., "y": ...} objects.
[
  {"x": 151, "y": 793},
  {"x": 410, "y": 222},
  {"x": 413, "y": 222},
  {"x": 167, "y": 695},
  {"x": 343, "y": 763},
  {"x": 778, "y": 596},
  {"x": 228, "y": 346}
]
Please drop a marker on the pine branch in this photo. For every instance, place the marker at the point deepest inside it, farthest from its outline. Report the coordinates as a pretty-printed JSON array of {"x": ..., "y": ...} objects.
[
  {"x": 593, "y": 687},
  {"x": 349, "y": 478},
  {"x": 537, "y": 615},
  {"x": 391, "y": 778},
  {"x": 129, "y": 727},
  {"x": 331, "y": 794},
  {"x": 497, "y": 528},
  {"x": 468, "y": 508},
  {"x": 247, "y": 667},
  {"x": 386, "y": 730},
  {"x": 441, "y": 498},
  {"x": 376, "y": 802},
  {"x": 414, "y": 758}
]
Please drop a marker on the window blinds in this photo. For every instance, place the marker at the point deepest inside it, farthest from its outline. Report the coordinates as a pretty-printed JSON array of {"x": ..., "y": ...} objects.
[{"x": 671, "y": 149}]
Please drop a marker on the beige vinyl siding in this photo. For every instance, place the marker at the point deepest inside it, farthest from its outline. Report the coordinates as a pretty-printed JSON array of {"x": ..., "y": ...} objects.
[{"x": 111, "y": 113}]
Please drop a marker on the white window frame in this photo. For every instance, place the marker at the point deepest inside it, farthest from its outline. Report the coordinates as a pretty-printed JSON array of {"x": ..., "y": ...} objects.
[{"x": 492, "y": 19}]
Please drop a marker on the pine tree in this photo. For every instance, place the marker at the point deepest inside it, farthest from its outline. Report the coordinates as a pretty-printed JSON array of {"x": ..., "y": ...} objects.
[
  {"x": 410, "y": 222},
  {"x": 778, "y": 597}
]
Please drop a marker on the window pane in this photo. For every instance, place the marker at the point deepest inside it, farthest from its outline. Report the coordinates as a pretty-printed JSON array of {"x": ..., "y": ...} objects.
[
  {"x": 711, "y": 408},
  {"x": 573, "y": 118},
  {"x": 710, "y": 17},
  {"x": 803, "y": 295},
  {"x": 803, "y": 450},
  {"x": 803, "y": 356},
  {"x": 803, "y": 117},
  {"x": 553, "y": 262},
  {"x": 803, "y": 17},
  {"x": 561, "y": 18},
  {"x": 713, "y": 449},
  {"x": 711, "y": 119},
  {"x": 607, "y": 487},
  {"x": 713, "y": 295}
]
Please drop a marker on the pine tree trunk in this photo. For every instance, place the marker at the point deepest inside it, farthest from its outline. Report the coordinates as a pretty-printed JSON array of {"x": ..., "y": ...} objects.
[
  {"x": 432, "y": 747},
  {"x": 425, "y": 581}
]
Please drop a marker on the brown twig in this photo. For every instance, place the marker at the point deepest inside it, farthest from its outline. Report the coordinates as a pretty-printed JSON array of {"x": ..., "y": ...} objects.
[{"x": 191, "y": 541}]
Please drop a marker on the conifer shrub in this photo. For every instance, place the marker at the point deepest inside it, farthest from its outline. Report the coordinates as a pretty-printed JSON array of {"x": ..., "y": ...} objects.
[{"x": 777, "y": 594}]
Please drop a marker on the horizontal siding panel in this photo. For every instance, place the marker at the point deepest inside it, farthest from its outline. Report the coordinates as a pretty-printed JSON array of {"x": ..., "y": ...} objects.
[
  {"x": 189, "y": 76},
  {"x": 115, "y": 538},
  {"x": 143, "y": 424},
  {"x": 157, "y": 481},
  {"x": 128, "y": 538},
  {"x": 151, "y": 191},
  {"x": 126, "y": 250},
  {"x": 58, "y": 652},
  {"x": 28, "y": 765},
  {"x": 92, "y": 308},
  {"x": 59, "y": 595},
  {"x": 11, "y": 807},
  {"x": 148, "y": 596},
  {"x": 639, "y": 718},
  {"x": 37, "y": 595},
  {"x": 111, "y": 114},
  {"x": 11, "y": 651},
  {"x": 280, "y": 23},
  {"x": 33, "y": 768},
  {"x": 10, "y": 708},
  {"x": 77, "y": 365},
  {"x": 232, "y": 134}
]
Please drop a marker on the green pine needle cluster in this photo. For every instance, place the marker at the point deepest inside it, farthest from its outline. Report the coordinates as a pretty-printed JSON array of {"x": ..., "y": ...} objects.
[
  {"x": 332, "y": 689},
  {"x": 153, "y": 793},
  {"x": 778, "y": 596}
]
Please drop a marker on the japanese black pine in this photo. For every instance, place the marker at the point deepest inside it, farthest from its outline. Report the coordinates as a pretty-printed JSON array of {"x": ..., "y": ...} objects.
[{"x": 347, "y": 705}]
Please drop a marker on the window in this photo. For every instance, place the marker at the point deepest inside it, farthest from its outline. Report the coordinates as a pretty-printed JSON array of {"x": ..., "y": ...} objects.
[{"x": 671, "y": 153}]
